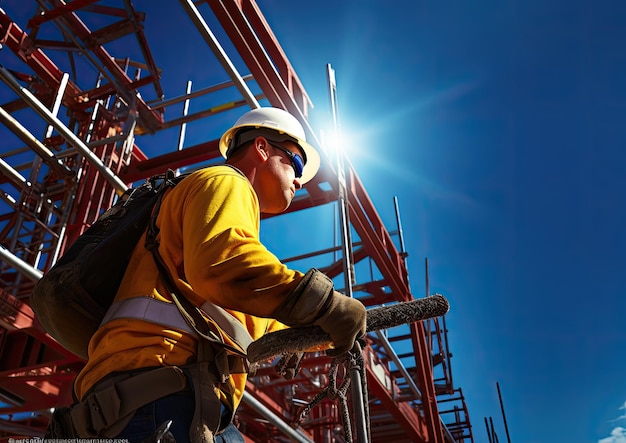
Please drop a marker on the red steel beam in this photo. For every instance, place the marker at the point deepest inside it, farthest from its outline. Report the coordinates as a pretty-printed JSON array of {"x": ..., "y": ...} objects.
[
  {"x": 131, "y": 18},
  {"x": 22, "y": 45},
  {"x": 404, "y": 415},
  {"x": 270, "y": 43},
  {"x": 376, "y": 239},
  {"x": 58, "y": 11},
  {"x": 37, "y": 384},
  {"x": 17, "y": 315},
  {"x": 245, "y": 39},
  {"x": 424, "y": 380},
  {"x": 151, "y": 119},
  {"x": 177, "y": 159}
]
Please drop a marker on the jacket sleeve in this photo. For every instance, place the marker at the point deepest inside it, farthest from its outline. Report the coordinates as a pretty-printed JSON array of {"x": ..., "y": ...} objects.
[{"x": 223, "y": 258}]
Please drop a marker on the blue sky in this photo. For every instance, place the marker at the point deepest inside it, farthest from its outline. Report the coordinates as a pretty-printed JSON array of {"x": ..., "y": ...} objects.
[{"x": 500, "y": 127}]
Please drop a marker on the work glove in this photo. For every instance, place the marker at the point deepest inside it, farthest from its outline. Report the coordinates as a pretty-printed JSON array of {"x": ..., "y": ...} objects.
[
  {"x": 344, "y": 320},
  {"x": 315, "y": 302}
]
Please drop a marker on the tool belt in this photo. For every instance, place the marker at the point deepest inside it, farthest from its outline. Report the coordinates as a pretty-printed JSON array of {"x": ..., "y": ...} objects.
[{"x": 108, "y": 407}]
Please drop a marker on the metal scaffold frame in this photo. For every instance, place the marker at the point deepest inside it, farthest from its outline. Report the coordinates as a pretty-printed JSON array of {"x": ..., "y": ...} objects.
[{"x": 80, "y": 93}]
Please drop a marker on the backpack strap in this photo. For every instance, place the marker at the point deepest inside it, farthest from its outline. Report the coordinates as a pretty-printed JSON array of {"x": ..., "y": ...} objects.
[
  {"x": 237, "y": 359},
  {"x": 191, "y": 313},
  {"x": 228, "y": 323}
]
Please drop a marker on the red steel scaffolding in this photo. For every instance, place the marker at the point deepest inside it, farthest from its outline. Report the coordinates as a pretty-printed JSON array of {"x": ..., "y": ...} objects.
[{"x": 81, "y": 75}]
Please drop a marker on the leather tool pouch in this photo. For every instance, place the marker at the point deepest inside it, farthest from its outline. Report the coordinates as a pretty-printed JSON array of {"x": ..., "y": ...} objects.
[
  {"x": 60, "y": 425},
  {"x": 210, "y": 377}
]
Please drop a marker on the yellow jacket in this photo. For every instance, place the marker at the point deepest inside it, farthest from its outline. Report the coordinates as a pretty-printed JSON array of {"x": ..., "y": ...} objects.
[{"x": 209, "y": 240}]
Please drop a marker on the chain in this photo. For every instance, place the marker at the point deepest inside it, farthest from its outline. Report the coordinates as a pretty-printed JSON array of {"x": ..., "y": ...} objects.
[{"x": 350, "y": 360}]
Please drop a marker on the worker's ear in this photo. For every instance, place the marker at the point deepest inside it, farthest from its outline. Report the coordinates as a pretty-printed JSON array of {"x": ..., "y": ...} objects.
[{"x": 261, "y": 148}]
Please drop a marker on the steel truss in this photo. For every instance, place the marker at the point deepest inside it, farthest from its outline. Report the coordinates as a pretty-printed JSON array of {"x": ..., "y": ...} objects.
[{"x": 81, "y": 88}]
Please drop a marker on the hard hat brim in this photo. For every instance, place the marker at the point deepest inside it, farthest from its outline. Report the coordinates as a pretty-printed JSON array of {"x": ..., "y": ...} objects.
[{"x": 312, "y": 155}]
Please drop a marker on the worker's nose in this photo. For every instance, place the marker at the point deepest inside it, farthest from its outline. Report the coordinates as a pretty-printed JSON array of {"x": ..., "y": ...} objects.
[{"x": 297, "y": 183}]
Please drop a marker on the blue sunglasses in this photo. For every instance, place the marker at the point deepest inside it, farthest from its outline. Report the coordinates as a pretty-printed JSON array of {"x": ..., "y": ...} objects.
[{"x": 296, "y": 160}]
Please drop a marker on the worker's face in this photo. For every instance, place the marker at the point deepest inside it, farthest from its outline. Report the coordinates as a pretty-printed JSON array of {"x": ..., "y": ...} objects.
[{"x": 279, "y": 183}]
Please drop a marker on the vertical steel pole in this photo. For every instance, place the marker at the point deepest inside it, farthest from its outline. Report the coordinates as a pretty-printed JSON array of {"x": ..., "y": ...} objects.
[
  {"x": 358, "y": 404},
  {"x": 58, "y": 100},
  {"x": 506, "y": 426},
  {"x": 494, "y": 436},
  {"x": 400, "y": 232},
  {"x": 344, "y": 217},
  {"x": 183, "y": 126},
  {"x": 488, "y": 431}
]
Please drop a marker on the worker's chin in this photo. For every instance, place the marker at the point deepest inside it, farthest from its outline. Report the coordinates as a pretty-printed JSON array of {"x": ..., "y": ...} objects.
[{"x": 277, "y": 209}]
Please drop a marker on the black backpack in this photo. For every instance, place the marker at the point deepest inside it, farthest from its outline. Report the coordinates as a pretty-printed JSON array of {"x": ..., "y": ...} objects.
[{"x": 71, "y": 299}]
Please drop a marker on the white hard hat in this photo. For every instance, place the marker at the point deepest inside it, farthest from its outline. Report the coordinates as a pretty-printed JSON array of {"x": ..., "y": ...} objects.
[{"x": 284, "y": 125}]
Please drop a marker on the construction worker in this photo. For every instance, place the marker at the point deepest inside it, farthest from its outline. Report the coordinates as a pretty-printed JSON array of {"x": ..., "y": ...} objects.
[{"x": 146, "y": 365}]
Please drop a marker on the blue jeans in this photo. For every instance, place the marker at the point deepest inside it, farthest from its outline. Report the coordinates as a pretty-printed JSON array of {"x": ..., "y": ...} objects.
[{"x": 179, "y": 408}]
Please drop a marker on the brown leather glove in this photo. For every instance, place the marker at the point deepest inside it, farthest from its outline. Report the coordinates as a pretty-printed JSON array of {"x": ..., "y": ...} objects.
[
  {"x": 315, "y": 302},
  {"x": 344, "y": 320}
]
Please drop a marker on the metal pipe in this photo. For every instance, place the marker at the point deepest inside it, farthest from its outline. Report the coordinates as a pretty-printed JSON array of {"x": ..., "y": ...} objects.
[
  {"x": 13, "y": 175},
  {"x": 8, "y": 199},
  {"x": 69, "y": 202},
  {"x": 20, "y": 265},
  {"x": 358, "y": 403},
  {"x": 196, "y": 93},
  {"x": 219, "y": 52},
  {"x": 58, "y": 100},
  {"x": 183, "y": 126},
  {"x": 344, "y": 216},
  {"x": 506, "y": 426},
  {"x": 448, "y": 435},
  {"x": 68, "y": 135},
  {"x": 399, "y": 224},
  {"x": 204, "y": 113},
  {"x": 106, "y": 141},
  {"x": 40, "y": 149},
  {"x": 494, "y": 436},
  {"x": 427, "y": 328},
  {"x": 488, "y": 431},
  {"x": 394, "y": 357},
  {"x": 280, "y": 424}
]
